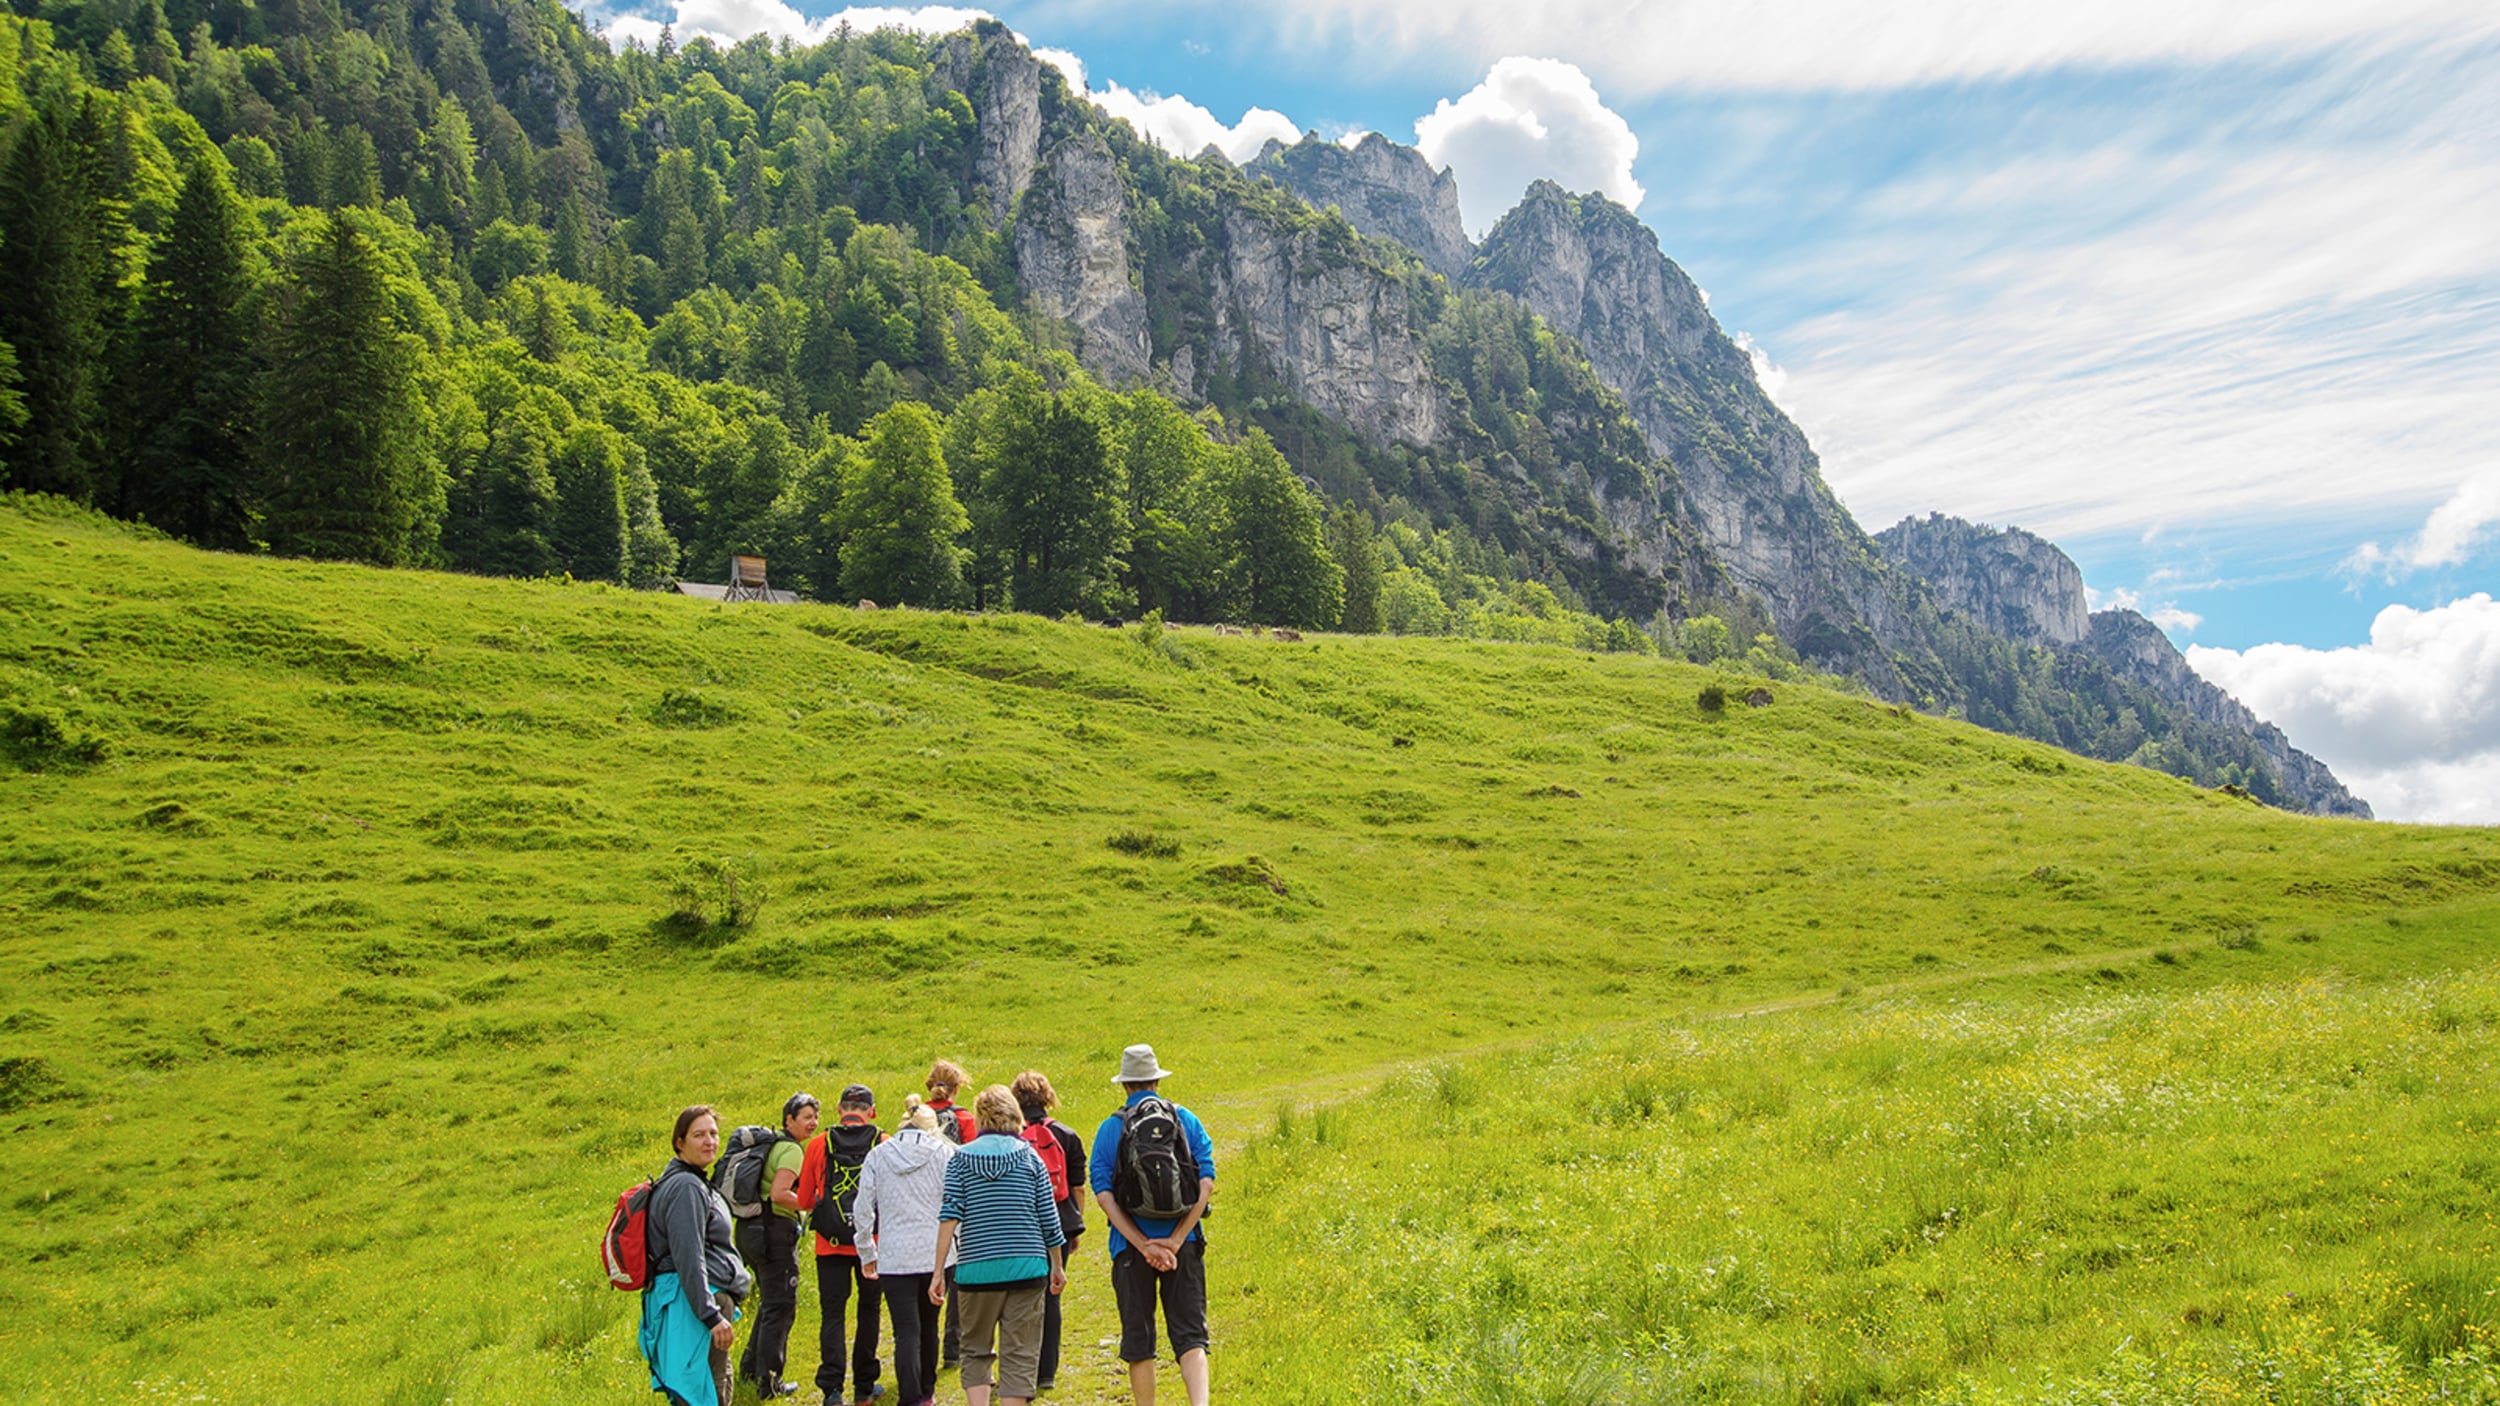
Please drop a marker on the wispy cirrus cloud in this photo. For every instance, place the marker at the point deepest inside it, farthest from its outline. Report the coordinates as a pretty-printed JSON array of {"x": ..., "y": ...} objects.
[
  {"x": 1849, "y": 45},
  {"x": 2277, "y": 320},
  {"x": 2452, "y": 533}
]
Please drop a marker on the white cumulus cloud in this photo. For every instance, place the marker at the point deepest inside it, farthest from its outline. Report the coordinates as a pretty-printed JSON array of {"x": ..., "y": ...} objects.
[
  {"x": 2450, "y": 535},
  {"x": 2409, "y": 720},
  {"x": 728, "y": 21},
  {"x": 1184, "y": 129},
  {"x": 1529, "y": 119}
]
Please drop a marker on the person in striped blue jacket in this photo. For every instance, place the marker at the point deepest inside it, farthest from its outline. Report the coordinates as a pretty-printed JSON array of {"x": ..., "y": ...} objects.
[{"x": 1001, "y": 1219}]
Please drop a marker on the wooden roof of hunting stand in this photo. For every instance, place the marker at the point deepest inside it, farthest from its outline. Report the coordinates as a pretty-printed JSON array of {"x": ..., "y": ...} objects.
[{"x": 746, "y": 582}]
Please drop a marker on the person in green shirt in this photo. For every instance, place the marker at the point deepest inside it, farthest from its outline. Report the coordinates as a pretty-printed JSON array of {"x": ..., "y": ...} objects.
[{"x": 770, "y": 1245}]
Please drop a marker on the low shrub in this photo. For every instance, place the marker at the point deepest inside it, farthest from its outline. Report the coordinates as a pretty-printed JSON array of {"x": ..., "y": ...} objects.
[{"x": 1145, "y": 844}]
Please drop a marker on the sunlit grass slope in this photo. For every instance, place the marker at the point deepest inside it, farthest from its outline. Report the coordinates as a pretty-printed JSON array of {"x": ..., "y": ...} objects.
[
  {"x": 2261, "y": 1173},
  {"x": 363, "y": 929}
]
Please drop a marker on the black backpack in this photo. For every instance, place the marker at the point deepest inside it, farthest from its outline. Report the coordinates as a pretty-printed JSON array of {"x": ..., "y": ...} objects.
[
  {"x": 1155, "y": 1175},
  {"x": 739, "y": 1174},
  {"x": 846, "y": 1146}
]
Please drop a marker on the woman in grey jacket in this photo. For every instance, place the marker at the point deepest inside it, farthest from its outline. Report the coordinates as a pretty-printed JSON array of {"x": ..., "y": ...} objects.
[
  {"x": 695, "y": 1269},
  {"x": 896, "y": 1216}
]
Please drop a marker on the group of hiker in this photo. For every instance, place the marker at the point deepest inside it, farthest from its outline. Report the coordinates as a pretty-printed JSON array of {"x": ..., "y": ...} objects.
[{"x": 961, "y": 1224}]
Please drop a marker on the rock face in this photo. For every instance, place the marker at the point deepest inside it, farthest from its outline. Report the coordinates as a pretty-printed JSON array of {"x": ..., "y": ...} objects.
[
  {"x": 1383, "y": 189},
  {"x": 1003, "y": 82},
  {"x": 2018, "y": 585},
  {"x": 1071, "y": 249},
  {"x": 1595, "y": 273},
  {"x": 2136, "y": 649},
  {"x": 1336, "y": 331}
]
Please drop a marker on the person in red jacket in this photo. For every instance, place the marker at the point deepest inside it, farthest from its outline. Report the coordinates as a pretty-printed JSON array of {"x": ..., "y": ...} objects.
[
  {"x": 828, "y": 1183},
  {"x": 1054, "y": 1142}
]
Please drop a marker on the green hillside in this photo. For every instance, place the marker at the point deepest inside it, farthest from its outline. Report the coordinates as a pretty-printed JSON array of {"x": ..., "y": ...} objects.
[{"x": 366, "y": 927}]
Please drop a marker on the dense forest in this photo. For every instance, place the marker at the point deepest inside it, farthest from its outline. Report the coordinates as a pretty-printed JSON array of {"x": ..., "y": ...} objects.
[{"x": 455, "y": 285}]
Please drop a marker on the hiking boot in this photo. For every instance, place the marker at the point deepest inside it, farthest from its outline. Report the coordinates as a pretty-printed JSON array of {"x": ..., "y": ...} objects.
[{"x": 873, "y": 1393}]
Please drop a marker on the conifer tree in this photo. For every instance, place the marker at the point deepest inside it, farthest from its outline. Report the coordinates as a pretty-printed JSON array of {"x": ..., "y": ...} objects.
[
  {"x": 510, "y": 496},
  {"x": 342, "y": 453},
  {"x": 650, "y": 552},
  {"x": 590, "y": 522},
  {"x": 1358, "y": 556},
  {"x": 447, "y": 178},
  {"x": 901, "y": 522},
  {"x": 12, "y": 400},
  {"x": 190, "y": 368},
  {"x": 53, "y": 274},
  {"x": 569, "y": 253}
]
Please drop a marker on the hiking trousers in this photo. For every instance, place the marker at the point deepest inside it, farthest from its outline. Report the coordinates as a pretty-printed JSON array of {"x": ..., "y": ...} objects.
[
  {"x": 770, "y": 1245},
  {"x": 836, "y": 1276},
  {"x": 915, "y": 1335},
  {"x": 1003, "y": 1328}
]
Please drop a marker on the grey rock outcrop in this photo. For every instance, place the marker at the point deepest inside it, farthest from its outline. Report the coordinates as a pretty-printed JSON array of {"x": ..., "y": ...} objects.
[
  {"x": 1595, "y": 273},
  {"x": 1003, "y": 82},
  {"x": 1071, "y": 247},
  {"x": 1383, "y": 189},
  {"x": 2136, "y": 649},
  {"x": 1337, "y": 331},
  {"x": 2011, "y": 582}
]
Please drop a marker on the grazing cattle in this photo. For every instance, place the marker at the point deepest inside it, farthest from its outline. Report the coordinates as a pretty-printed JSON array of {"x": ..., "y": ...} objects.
[
  {"x": 1171, "y": 624},
  {"x": 1226, "y": 630},
  {"x": 1112, "y": 624},
  {"x": 867, "y": 605},
  {"x": 1759, "y": 698},
  {"x": 1289, "y": 636}
]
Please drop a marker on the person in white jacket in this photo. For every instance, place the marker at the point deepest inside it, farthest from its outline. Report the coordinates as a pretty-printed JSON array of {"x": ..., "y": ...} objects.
[{"x": 896, "y": 1216}]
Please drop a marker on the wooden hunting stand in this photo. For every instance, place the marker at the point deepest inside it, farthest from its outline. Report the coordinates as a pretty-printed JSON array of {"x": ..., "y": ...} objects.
[
  {"x": 746, "y": 582},
  {"x": 746, "y": 579}
]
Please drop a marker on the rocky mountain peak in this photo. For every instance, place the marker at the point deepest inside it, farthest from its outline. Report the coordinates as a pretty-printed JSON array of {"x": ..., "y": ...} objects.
[
  {"x": 1002, "y": 80},
  {"x": 1383, "y": 189},
  {"x": 1595, "y": 274},
  {"x": 2016, "y": 584},
  {"x": 2135, "y": 648}
]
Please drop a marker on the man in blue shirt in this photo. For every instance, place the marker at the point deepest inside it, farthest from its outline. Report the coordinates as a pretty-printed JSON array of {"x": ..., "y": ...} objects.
[{"x": 1152, "y": 1257}]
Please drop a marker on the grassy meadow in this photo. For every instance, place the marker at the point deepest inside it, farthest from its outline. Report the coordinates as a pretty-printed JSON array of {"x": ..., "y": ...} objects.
[{"x": 364, "y": 929}]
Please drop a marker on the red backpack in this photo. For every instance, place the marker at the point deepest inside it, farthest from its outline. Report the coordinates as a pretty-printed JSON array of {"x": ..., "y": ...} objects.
[
  {"x": 1039, "y": 1137},
  {"x": 625, "y": 1251}
]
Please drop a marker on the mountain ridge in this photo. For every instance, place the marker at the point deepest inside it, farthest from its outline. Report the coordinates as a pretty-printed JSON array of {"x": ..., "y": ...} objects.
[{"x": 632, "y": 309}]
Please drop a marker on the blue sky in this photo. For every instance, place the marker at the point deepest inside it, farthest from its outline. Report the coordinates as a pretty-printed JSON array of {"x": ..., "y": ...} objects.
[{"x": 2208, "y": 293}]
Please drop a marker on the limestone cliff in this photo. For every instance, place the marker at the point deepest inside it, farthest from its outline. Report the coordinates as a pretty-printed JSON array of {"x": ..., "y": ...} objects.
[
  {"x": 2018, "y": 585},
  {"x": 1383, "y": 189},
  {"x": 1003, "y": 82},
  {"x": 1335, "y": 330},
  {"x": 2135, "y": 648},
  {"x": 1072, "y": 254},
  {"x": 1595, "y": 273}
]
